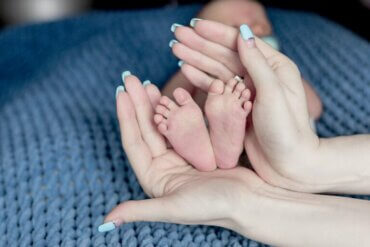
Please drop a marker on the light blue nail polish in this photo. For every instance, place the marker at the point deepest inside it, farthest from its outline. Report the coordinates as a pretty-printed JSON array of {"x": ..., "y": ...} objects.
[
  {"x": 106, "y": 227},
  {"x": 146, "y": 82},
  {"x": 119, "y": 89},
  {"x": 246, "y": 32},
  {"x": 174, "y": 26},
  {"x": 272, "y": 41},
  {"x": 124, "y": 74},
  {"x": 180, "y": 63},
  {"x": 194, "y": 21},
  {"x": 172, "y": 42}
]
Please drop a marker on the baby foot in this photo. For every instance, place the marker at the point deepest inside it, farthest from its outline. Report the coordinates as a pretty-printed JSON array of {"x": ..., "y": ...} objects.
[
  {"x": 227, "y": 108},
  {"x": 183, "y": 125}
]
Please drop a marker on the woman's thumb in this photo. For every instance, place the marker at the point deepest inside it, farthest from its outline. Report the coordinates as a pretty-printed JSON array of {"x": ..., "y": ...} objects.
[
  {"x": 130, "y": 211},
  {"x": 262, "y": 75}
]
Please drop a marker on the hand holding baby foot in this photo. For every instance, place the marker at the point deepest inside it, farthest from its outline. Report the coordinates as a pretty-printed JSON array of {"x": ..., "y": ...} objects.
[
  {"x": 280, "y": 117},
  {"x": 179, "y": 193},
  {"x": 227, "y": 108},
  {"x": 209, "y": 50}
]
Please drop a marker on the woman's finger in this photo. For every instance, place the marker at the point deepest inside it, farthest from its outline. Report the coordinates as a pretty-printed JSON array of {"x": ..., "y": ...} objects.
[
  {"x": 197, "y": 77},
  {"x": 144, "y": 114},
  {"x": 153, "y": 93},
  {"x": 226, "y": 56},
  {"x": 202, "y": 62},
  {"x": 155, "y": 209},
  {"x": 263, "y": 76},
  {"x": 270, "y": 99},
  {"x": 135, "y": 148},
  {"x": 227, "y": 36}
]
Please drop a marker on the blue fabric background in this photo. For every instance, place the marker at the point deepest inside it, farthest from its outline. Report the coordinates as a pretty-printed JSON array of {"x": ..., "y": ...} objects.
[{"x": 62, "y": 167}]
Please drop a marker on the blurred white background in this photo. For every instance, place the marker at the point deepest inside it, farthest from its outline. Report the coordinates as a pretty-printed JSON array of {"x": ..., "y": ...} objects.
[{"x": 20, "y": 11}]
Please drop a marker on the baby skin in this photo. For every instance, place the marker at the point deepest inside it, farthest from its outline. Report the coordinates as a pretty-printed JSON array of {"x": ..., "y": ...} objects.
[{"x": 182, "y": 123}]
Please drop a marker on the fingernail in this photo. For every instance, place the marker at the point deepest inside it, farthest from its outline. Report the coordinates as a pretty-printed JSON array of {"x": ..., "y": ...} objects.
[
  {"x": 119, "y": 90},
  {"x": 124, "y": 74},
  {"x": 272, "y": 41},
  {"x": 146, "y": 82},
  {"x": 106, "y": 227},
  {"x": 174, "y": 26},
  {"x": 180, "y": 63},
  {"x": 312, "y": 124},
  {"x": 246, "y": 32},
  {"x": 194, "y": 21},
  {"x": 172, "y": 42},
  {"x": 247, "y": 35}
]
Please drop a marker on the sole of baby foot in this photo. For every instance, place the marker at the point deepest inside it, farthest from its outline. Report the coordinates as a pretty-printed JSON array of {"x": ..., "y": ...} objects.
[
  {"x": 184, "y": 127},
  {"x": 227, "y": 108}
]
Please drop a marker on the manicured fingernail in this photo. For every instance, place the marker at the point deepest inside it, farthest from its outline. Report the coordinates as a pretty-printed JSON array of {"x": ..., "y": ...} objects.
[
  {"x": 119, "y": 90},
  {"x": 246, "y": 32},
  {"x": 172, "y": 42},
  {"x": 174, "y": 26},
  {"x": 272, "y": 41},
  {"x": 146, "y": 82},
  {"x": 180, "y": 63},
  {"x": 106, "y": 227},
  {"x": 312, "y": 124},
  {"x": 247, "y": 35},
  {"x": 194, "y": 21},
  {"x": 124, "y": 74}
]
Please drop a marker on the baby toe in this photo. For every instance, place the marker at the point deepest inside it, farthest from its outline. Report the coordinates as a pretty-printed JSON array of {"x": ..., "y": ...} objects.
[
  {"x": 158, "y": 118},
  {"x": 238, "y": 89},
  {"x": 182, "y": 96},
  {"x": 247, "y": 106},
  {"x": 217, "y": 87},
  {"x": 168, "y": 103},
  {"x": 229, "y": 88},
  {"x": 245, "y": 95},
  {"x": 162, "y": 128},
  {"x": 160, "y": 109}
]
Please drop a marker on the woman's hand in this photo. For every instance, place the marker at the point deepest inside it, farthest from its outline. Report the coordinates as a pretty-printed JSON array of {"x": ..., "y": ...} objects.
[
  {"x": 280, "y": 140},
  {"x": 229, "y": 12},
  {"x": 280, "y": 144},
  {"x": 180, "y": 194},
  {"x": 236, "y": 199}
]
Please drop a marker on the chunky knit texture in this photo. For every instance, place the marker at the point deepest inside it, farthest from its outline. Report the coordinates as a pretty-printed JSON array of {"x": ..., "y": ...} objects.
[{"x": 62, "y": 165}]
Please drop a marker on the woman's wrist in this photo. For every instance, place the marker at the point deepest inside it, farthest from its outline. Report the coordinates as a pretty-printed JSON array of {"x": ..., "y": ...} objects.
[
  {"x": 308, "y": 219},
  {"x": 344, "y": 164}
]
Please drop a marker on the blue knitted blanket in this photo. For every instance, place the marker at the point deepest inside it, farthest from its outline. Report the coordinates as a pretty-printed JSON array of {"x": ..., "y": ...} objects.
[{"x": 62, "y": 167}]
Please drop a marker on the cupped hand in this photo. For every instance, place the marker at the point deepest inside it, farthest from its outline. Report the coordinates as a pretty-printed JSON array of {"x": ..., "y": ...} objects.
[
  {"x": 280, "y": 141},
  {"x": 179, "y": 193}
]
